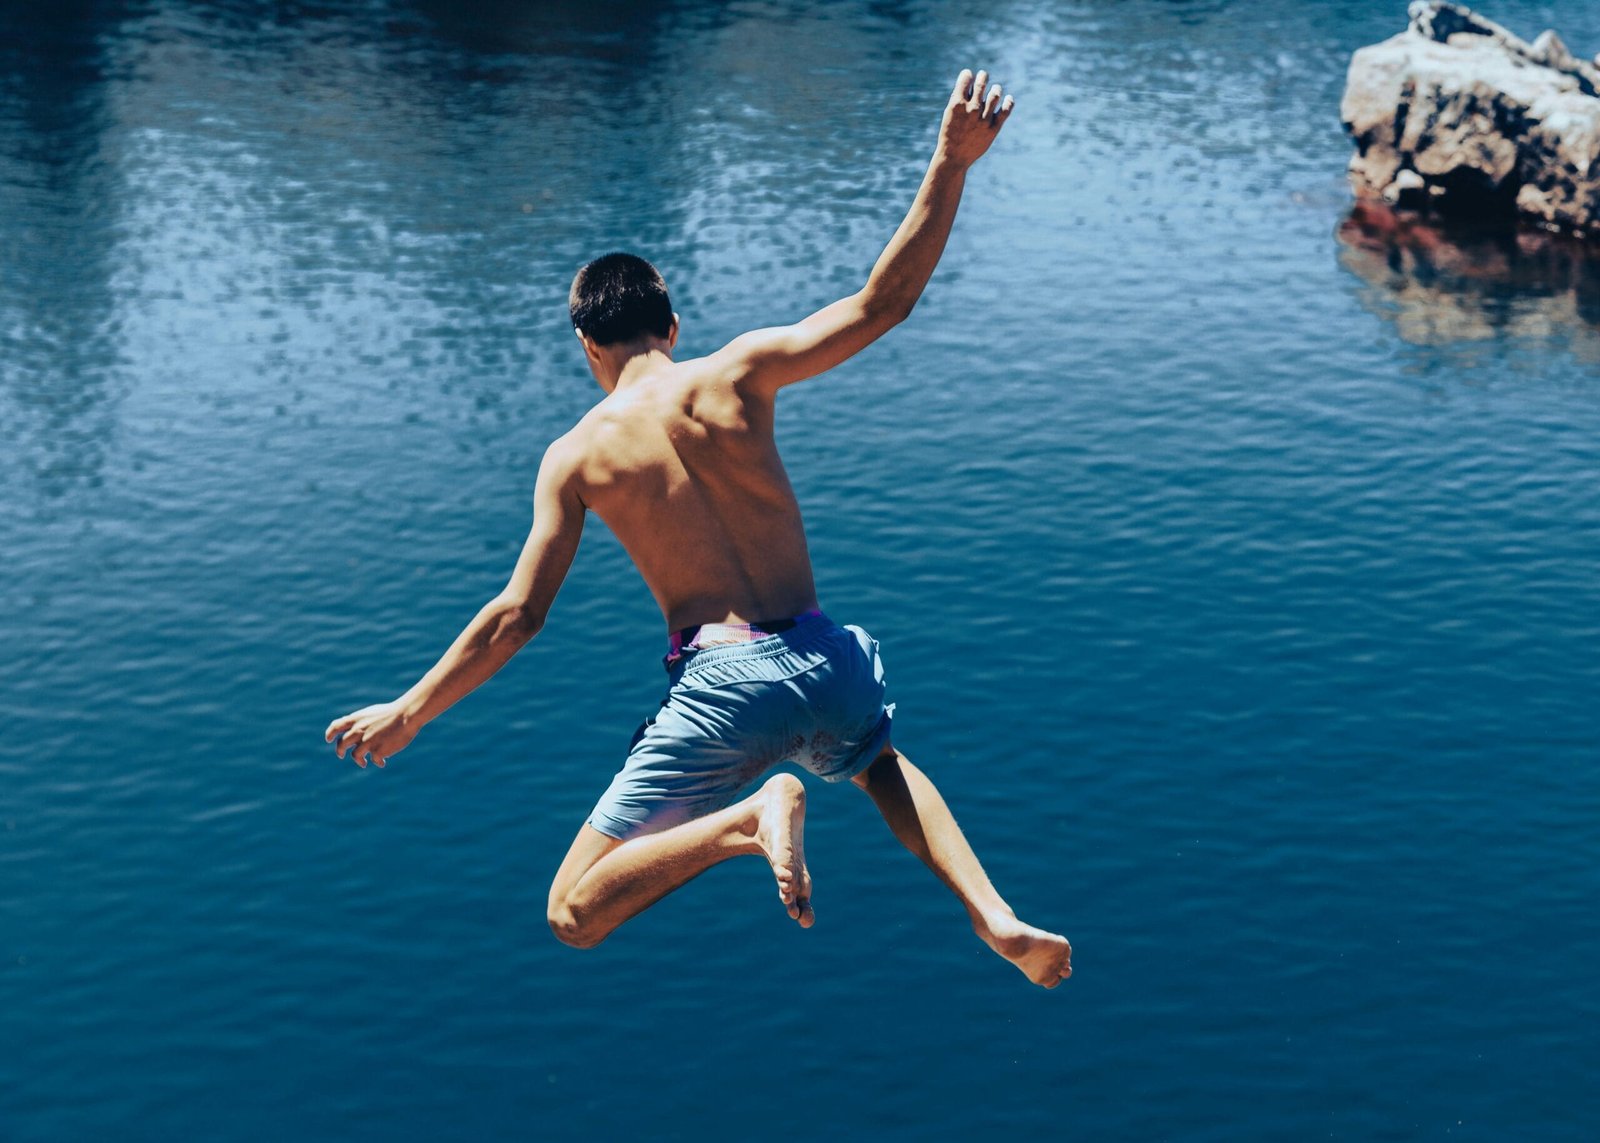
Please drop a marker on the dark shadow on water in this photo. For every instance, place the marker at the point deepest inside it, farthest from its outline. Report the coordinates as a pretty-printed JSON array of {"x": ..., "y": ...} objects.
[
  {"x": 57, "y": 233},
  {"x": 1443, "y": 286},
  {"x": 486, "y": 28}
]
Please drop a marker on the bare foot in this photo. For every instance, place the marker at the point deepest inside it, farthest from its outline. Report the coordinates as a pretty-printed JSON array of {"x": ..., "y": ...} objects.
[
  {"x": 1044, "y": 958},
  {"x": 781, "y": 836}
]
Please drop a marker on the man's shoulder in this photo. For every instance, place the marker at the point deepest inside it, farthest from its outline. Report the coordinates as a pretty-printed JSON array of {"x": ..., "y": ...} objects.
[
  {"x": 564, "y": 456},
  {"x": 587, "y": 453},
  {"x": 730, "y": 363},
  {"x": 604, "y": 417},
  {"x": 730, "y": 374}
]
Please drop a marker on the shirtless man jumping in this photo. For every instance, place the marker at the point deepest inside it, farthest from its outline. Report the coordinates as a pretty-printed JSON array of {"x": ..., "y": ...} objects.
[{"x": 680, "y": 462}]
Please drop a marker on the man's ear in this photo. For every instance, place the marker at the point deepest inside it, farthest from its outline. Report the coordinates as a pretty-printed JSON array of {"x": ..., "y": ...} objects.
[
  {"x": 589, "y": 349},
  {"x": 672, "y": 334}
]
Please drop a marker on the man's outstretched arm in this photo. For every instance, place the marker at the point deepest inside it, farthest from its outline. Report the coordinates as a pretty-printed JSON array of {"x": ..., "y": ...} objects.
[
  {"x": 500, "y": 629},
  {"x": 783, "y": 354}
]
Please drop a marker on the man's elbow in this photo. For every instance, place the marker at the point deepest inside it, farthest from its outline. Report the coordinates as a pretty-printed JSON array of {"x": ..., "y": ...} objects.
[
  {"x": 886, "y": 311},
  {"x": 520, "y": 619}
]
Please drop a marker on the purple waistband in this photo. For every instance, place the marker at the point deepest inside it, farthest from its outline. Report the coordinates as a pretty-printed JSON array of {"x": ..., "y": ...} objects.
[{"x": 716, "y": 634}]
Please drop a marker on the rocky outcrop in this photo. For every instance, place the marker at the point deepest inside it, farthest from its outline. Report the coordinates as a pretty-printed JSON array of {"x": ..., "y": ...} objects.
[{"x": 1456, "y": 115}]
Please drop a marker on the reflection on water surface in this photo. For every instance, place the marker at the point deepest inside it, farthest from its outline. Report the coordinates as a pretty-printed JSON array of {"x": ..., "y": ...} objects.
[{"x": 1441, "y": 285}]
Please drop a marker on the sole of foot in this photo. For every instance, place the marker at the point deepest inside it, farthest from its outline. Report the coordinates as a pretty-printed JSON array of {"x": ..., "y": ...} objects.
[
  {"x": 1043, "y": 957},
  {"x": 781, "y": 835}
]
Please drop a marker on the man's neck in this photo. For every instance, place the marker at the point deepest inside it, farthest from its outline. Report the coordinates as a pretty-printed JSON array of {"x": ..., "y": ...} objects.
[{"x": 635, "y": 362}]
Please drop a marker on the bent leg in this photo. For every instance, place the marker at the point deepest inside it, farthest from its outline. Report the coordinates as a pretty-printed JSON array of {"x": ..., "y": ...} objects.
[
  {"x": 587, "y": 848},
  {"x": 918, "y": 816},
  {"x": 603, "y": 882}
]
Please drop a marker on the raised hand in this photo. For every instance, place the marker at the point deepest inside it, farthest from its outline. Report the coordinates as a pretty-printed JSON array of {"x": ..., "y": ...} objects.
[
  {"x": 972, "y": 118},
  {"x": 379, "y": 731}
]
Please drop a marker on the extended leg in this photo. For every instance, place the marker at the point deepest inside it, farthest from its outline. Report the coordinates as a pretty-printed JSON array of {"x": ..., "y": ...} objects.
[
  {"x": 912, "y": 807},
  {"x": 604, "y": 881}
]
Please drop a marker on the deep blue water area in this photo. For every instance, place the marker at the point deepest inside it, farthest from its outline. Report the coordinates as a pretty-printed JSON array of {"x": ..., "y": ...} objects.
[{"x": 1235, "y": 572}]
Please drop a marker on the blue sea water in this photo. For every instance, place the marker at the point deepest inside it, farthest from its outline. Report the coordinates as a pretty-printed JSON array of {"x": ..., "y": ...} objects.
[{"x": 1236, "y": 575}]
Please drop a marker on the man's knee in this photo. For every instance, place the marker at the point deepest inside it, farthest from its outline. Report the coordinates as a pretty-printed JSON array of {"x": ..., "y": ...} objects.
[{"x": 568, "y": 926}]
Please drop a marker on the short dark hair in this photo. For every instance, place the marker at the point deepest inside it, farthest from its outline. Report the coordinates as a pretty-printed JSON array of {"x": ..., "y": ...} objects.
[{"x": 619, "y": 297}]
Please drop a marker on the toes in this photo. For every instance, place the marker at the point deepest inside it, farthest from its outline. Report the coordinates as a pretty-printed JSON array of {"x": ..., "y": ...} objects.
[{"x": 794, "y": 890}]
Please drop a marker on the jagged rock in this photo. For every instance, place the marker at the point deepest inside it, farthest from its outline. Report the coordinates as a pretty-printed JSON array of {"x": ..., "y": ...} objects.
[{"x": 1459, "y": 116}]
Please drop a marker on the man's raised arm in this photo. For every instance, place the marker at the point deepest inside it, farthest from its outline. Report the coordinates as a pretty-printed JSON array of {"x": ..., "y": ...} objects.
[
  {"x": 500, "y": 629},
  {"x": 783, "y": 354}
]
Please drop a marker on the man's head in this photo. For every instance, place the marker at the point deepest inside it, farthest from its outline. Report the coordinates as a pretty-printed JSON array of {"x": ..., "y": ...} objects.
[{"x": 619, "y": 306}]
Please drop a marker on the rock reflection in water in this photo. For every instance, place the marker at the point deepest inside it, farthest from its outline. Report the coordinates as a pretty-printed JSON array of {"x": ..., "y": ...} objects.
[{"x": 1443, "y": 286}]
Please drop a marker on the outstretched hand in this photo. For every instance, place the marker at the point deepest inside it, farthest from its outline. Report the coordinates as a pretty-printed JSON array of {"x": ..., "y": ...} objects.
[
  {"x": 973, "y": 117},
  {"x": 380, "y": 731}
]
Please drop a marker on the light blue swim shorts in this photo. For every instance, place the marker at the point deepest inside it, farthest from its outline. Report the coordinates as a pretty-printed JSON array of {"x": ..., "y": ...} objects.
[{"x": 811, "y": 695}]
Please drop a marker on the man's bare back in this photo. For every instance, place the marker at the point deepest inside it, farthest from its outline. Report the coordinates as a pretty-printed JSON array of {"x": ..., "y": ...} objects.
[{"x": 679, "y": 460}]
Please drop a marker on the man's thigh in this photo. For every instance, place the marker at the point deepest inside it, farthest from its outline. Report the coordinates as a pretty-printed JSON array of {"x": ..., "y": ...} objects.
[
  {"x": 587, "y": 848},
  {"x": 685, "y": 761}
]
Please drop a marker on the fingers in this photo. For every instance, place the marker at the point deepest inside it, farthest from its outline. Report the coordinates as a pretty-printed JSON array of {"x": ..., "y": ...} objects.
[
  {"x": 362, "y": 749},
  {"x": 338, "y": 726},
  {"x": 975, "y": 93},
  {"x": 976, "y": 100},
  {"x": 365, "y": 735},
  {"x": 351, "y": 743}
]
